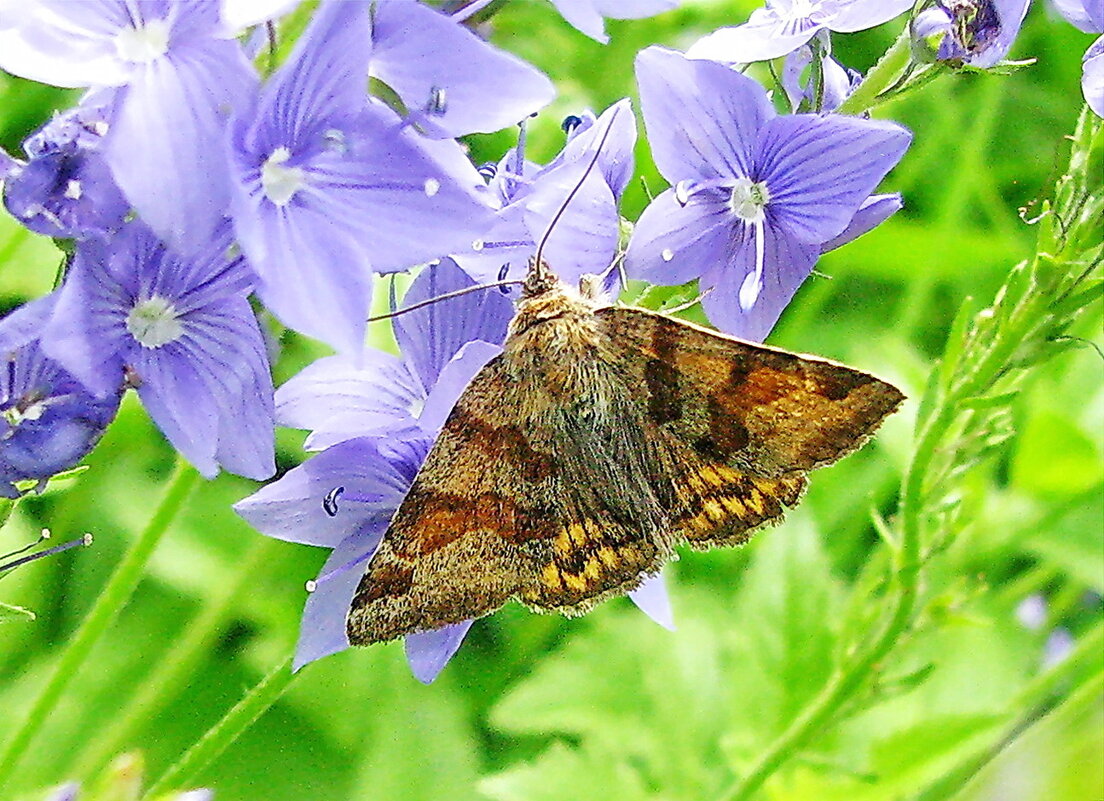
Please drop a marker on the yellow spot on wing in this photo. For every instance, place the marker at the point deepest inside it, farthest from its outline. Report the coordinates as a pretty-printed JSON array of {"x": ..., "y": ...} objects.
[
  {"x": 575, "y": 582},
  {"x": 551, "y": 576}
]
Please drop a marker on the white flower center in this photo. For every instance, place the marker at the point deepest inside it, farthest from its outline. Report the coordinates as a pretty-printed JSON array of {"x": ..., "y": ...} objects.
[
  {"x": 145, "y": 44},
  {"x": 280, "y": 183},
  {"x": 73, "y": 190},
  {"x": 154, "y": 322},
  {"x": 749, "y": 199}
]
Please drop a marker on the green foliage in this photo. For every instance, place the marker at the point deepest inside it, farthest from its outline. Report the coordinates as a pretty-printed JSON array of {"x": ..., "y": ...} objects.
[{"x": 869, "y": 648}]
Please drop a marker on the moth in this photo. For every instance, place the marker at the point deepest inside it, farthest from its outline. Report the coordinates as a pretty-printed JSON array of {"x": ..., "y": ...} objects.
[{"x": 598, "y": 440}]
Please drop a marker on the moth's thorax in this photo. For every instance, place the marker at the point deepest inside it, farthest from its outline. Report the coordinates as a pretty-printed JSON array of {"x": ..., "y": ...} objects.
[{"x": 554, "y": 342}]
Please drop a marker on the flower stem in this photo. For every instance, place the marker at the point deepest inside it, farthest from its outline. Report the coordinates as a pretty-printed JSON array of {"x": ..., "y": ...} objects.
[
  {"x": 220, "y": 736},
  {"x": 178, "y": 665},
  {"x": 118, "y": 590},
  {"x": 881, "y": 76}
]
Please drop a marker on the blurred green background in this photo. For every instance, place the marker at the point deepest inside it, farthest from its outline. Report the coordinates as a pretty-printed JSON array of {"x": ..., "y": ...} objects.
[{"x": 610, "y": 706}]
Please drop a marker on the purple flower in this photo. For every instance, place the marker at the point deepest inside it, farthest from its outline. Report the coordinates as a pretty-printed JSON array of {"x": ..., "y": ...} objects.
[
  {"x": 180, "y": 331},
  {"x": 453, "y": 82},
  {"x": 329, "y": 187},
  {"x": 756, "y": 197},
  {"x": 48, "y": 420},
  {"x": 177, "y": 79},
  {"x": 1088, "y": 16},
  {"x": 586, "y": 15},
  {"x": 784, "y": 25},
  {"x": 1092, "y": 77},
  {"x": 978, "y": 33},
  {"x": 585, "y": 238},
  {"x": 1085, "y": 15},
  {"x": 66, "y": 189}
]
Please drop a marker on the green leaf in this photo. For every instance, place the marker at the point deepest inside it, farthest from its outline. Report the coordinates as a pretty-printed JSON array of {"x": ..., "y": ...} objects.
[{"x": 1056, "y": 457}]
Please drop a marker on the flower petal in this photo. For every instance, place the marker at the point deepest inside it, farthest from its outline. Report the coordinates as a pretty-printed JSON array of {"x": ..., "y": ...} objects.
[
  {"x": 427, "y": 652},
  {"x": 430, "y": 337},
  {"x": 339, "y": 397},
  {"x": 322, "y": 631},
  {"x": 674, "y": 243},
  {"x": 166, "y": 146},
  {"x": 652, "y": 599},
  {"x": 291, "y": 509},
  {"x": 786, "y": 264},
  {"x": 615, "y": 161},
  {"x": 1092, "y": 78},
  {"x": 64, "y": 44},
  {"x": 818, "y": 170},
  {"x": 240, "y": 14},
  {"x": 418, "y": 52},
  {"x": 703, "y": 119},
  {"x": 583, "y": 17},
  {"x": 874, "y": 211},
  {"x": 179, "y": 402},
  {"x": 1012, "y": 13},
  {"x": 764, "y": 36},
  {"x": 858, "y": 15},
  {"x": 454, "y": 379}
]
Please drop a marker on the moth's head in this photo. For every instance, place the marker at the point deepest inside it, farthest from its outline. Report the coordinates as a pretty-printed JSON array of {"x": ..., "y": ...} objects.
[
  {"x": 545, "y": 297},
  {"x": 539, "y": 279}
]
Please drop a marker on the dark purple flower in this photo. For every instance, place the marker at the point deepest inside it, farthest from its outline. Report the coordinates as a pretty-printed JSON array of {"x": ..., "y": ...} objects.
[
  {"x": 66, "y": 188},
  {"x": 329, "y": 187},
  {"x": 978, "y": 33},
  {"x": 585, "y": 238},
  {"x": 784, "y": 25},
  {"x": 178, "y": 78},
  {"x": 586, "y": 15},
  {"x": 756, "y": 196},
  {"x": 453, "y": 82},
  {"x": 181, "y": 331},
  {"x": 48, "y": 420}
]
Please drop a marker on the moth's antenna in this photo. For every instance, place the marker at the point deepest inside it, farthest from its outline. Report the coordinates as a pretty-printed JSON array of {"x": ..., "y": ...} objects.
[
  {"x": 538, "y": 265},
  {"x": 447, "y": 296}
]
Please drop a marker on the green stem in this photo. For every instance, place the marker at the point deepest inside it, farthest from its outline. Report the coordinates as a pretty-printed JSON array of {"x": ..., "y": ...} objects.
[
  {"x": 220, "y": 736},
  {"x": 177, "y": 667},
  {"x": 118, "y": 590},
  {"x": 881, "y": 76}
]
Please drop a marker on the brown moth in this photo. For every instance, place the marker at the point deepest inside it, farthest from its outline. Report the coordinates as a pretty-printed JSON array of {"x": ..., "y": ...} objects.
[{"x": 598, "y": 440}]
